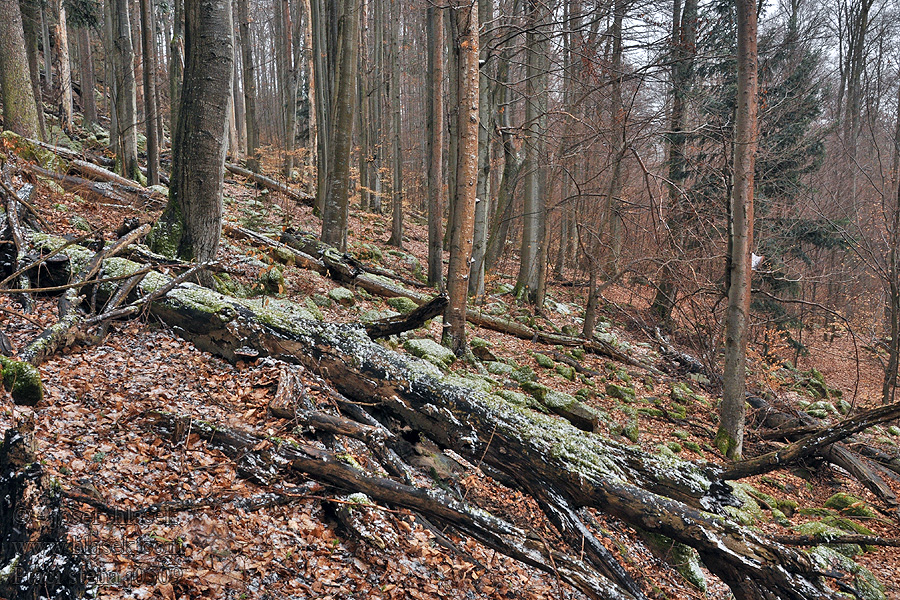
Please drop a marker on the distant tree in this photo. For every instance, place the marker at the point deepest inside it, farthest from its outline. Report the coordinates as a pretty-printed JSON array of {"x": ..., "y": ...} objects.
[
  {"x": 148, "y": 45},
  {"x": 126, "y": 102},
  {"x": 19, "y": 108},
  {"x": 191, "y": 224},
  {"x": 434, "y": 140}
]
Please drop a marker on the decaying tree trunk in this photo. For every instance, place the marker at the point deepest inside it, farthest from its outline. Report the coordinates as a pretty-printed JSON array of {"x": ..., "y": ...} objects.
[{"x": 548, "y": 458}]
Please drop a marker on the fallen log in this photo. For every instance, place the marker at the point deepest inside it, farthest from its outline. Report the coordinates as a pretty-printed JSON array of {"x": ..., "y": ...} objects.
[
  {"x": 95, "y": 173},
  {"x": 101, "y": 192},
  {"x": 412, "y": 320},
  {"x": 536, "y": 451},
  {"x": 271, "y": 184},
  {"x": 71, "y": 154},
  {"x": 324, "y": 466}
]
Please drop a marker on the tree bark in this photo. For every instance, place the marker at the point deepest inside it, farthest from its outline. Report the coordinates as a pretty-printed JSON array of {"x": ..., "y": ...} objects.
[
  {"x": 176, "y": 62},
  {"x": 462, "y": 227},
  {"x": 88, "y": 84},
  {"x": 19, "y": 108},
  {"x": 730, "y": 437},
  {"x": 336, "y": 202},
  {"x": 190, "y": 226},
  {"x": 249, "y": 76},
  {"x": 63, "y": 66},
  {"x": 126, "y": 107},
  {"x": 150, "y": 109},
  {"x": 434, "y": 141},
  {"x": 532, "y": 266},
  {"x": 31, "y": 22},
  {"x": 396, "y": 238}
]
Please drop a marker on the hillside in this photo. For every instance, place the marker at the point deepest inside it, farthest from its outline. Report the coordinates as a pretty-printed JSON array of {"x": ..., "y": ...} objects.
[{"x": 223, "y": 532}]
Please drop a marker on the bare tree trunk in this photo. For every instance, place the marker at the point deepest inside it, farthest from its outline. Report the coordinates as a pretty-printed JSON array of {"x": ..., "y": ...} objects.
[
  {"x": 889, "y": 384},
  {"x": 532, "y": 268},
  {"x": 684, "y": 42},
  {"x": 467, "y": 178},
  {"x": 396, "y": 238},
  {"x": 324, "y": 19},
  {"x": 31, "y": 23},
  {"x": 249, "y": 77},
  {"x": 19, "y": 108},
  {"x": 362, "y": 112},
  {"x": 63, "y": 67},
  {"x": 150, "y": 108},
  {"x": 88, "y": 84},
  {"x": 336, "y": 204},
  {"x": 730, "y": 436},
  {"x": 176, "y": 63},
  {"x": 482, "y": 206},
  {"x": 290, "y": 48},
  {"x": 376, "y": 107},
  {"x": 434, "y": 142},
  {"x": 190, "y": 226},
  {"x": 48, "y": 56},
  {"x": 240, "y": 118},
  {"x": 126, "y": 108}
]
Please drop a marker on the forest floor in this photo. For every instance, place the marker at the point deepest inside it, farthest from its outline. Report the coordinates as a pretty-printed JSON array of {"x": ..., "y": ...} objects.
[{"x": 91, "y": 435}]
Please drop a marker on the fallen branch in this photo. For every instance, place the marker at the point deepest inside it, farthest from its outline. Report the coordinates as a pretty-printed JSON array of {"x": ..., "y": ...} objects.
[
  {"x": 271, "y": 184},
  {"x": 412, "y": 320},
  {"x": 829, "y": 540}
]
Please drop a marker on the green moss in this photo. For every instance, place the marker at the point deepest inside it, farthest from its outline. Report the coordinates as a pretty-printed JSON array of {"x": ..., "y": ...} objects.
[
  {"x": 693, "y": 447},
  {"x": 632, "y": 431},
  {"x": 166, "y": 234},
  {"x": 725, "y": 443},
  {"x": 674, "y": 447},
  {"x": 523, "y": 374},
  {"x": 780, "y": 518},
  {"x": 816, "y": 512},
  {"x": 271, "y": 281},
  {"x": 566, "y": 371},
  {"x": 402, "y": 305},
  {"x": 678, "y": 412},
  {"x": 823, "y": 533},
  {"x": 750, "y": 513},
  {"x": 496, "y": 367},
  {"x": 826, "y": 559},
  {"x": 22, "y": 381},
  {"x": 342, "y": 296},
  {"x": 430, "y": 351},
  {"x": 625, "y": 394},
  {"x": 849, "y": 505},
  {"x": 788, "y": 507},
  {"x": 652, "y": 412},
  {"x": 681, "y": 434},
  {"x": 538, "y": 390},
  {"x": 313, "y": 309},
  {"x": 685, "y": 559},
  {"x": 31, "y": 152},
  {"x": 543, "y": 360}
]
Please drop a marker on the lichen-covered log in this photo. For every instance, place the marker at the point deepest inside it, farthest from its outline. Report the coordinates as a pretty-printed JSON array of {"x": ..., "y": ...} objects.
[{"x": 657, "y": 494}]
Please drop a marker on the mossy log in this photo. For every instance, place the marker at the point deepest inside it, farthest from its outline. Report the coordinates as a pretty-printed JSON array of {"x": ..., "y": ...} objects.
[
  {"x": 540, "y": 453},
  {"x": 271, "y": 184}
]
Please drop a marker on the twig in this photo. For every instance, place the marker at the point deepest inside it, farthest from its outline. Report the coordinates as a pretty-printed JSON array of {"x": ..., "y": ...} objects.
[
  {"x": 21, "y": 316},
  {"x": 77, "y": 284}
]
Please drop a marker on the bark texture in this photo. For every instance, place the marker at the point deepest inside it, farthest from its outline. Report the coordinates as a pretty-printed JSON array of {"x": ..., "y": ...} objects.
[
  {"x": 191, "y": 224},
  {"x": 19, "y": 108}
]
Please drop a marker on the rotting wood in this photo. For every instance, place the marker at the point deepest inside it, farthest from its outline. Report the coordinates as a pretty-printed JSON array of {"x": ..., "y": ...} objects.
[
  {"x": 828, "y": 539},
  {"x": 22, "y": 243},
  {"x": 413, "y": 320},
  {"x": 271, "y": 184},
  {"x": 100, "y": 192},
  {"x": 324, "y": 466},
  {"x": 96, "y": 173},
  {"x": 71, "y": 154}
]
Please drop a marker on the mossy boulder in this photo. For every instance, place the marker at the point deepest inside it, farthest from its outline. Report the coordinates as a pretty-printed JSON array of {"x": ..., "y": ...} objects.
[
  {"x": 270, "y": 281},
  {"x": 750, "y": 513},
  {"x": 632, "y": 431},
  {"x": 402, "y": 305},
  {"x": 620, "y": 392},
  {"x": 681, "y": 393},
  {"x": 566, "y": 371},
  {"x": 22, "y": 381},
  {"x": 342, "y": 296},
  {"x": 821, "y": 409},
  {"x": 543, "y": 360},
  {"x": 865, "y": 586},
  {"x": 849, "y": 505},
  {"x": 824, "y": 532},
  {"x": 523, "y": 374},
  {"x": 370, "y": 316},
  {"x": 538, "y": 390},
  {"x": 430, "y": 351},
  {"x": 495, "y": 367}
]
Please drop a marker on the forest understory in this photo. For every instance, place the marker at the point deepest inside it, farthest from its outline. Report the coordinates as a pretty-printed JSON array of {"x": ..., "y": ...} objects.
[{"x": 181, "y": 473}]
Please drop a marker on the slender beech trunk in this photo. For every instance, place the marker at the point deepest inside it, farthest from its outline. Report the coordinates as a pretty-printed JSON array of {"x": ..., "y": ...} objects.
[
  {"x": 324, "y": 19},
  {"x": 176, "y": 63},
  {"x": 889, "y": 384},
  {"x": 376, "y": 107},
  {"x": 532, "y": 268},
  {"x": 730, "y": 436},
  {"x": 88, "y": 84},
  {"x": 463, "y": 224},
  {"x": 48, "y": 56},
  {"x": 19, "y": 108},
  {"x": 110, "y": 74},
  {"x": 434, "y": 141},
  {"x": 336, "y": 203},
  {"x": 190, "y": 226},
  {"x": 150, "y": 108},
  {"x": 396, "y": 238},
  {"x": 249, "y": 80},
  {"x": 452, "y": 122},
  {"x": 126, "y": 107},
  {"x": 31, "y": 23},
  {"x": 63, "y": 66},
  {"x": 684, "y": 49},
  {"x": 483, "y": 203},
  {"x": 362, "y": 112}
]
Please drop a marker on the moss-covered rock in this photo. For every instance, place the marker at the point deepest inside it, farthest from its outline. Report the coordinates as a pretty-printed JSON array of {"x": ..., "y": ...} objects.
[
  {"x": 693, "y": 447},
  {"x": 826, "y": 559},
  {"x": 788, "y": 507},
  {"x": 430, "y": 351},
  {"x": 625, "y": 394},
  {"x": 321, "y": 300},
  {"x": 370, "y": 316},
  {"x": 401, "y": 304},
  {"x": 538, "y": 390},
  {"x": 270, "y": 281},
  {"x": 850, "y": 505},
  {"x": 750, "y": 513},
  {"x": 523, "y": 374},
  {"x": 566, "y": 371},
  {"x": 632, "y": 431},
  {"x": 496, "y": 367},
  {"x": 543, "y": 360},
  {"x": 681, "y": 393},
  {"x": 22, "y": 381},
  {"x": 824, "y": 533},
  {"x": 342, "y": 296},
  {"x": 685, "y": 559}
]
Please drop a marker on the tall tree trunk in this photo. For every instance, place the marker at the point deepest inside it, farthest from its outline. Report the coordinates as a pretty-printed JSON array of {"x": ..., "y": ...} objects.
[
  {"x": 31, "y": 23},
  {"x": 290, "y": 78},
  {"x": 467, "y": 178},
  {"x": 249, "y": 80},
  {"x": 126, "y": 107},
  {"x": 19, "y": 108},
  {"x": 889, "y": 383},
  {"x": 451, "y": 35},
  {"x": 730, "y": 436},
  {"x": 684, "y": 42},
  {"x": 190, "y": 226},
  {"x": 240, "y": 118},
  {"x": 336, "y": 203},
  {"x": 150, "y": 108},
  {"x": 396, "y": 238},
  {"x": 110, "y": 94},
  {"x": 48, "y": 56},
  {"x": 176, "y": 63},
  {"x": 532, "y": 268},
  {"x": 88, "y": 84},
  {"x": 376, "y": 106},
  {"x": 434, "y": 141},
  {"x": 324, "y": 18},
  {"x": 63, "y": 67},
  {"x": 362, "y": 112},
  {"x": 483, "y": 203}
]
